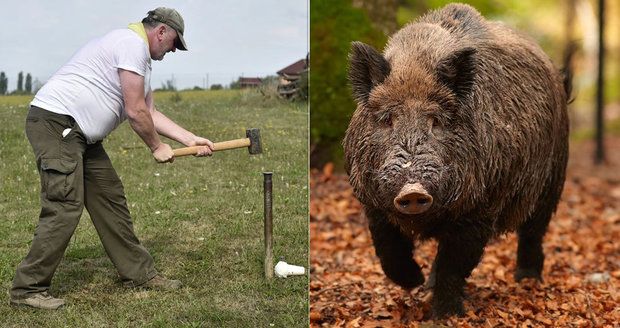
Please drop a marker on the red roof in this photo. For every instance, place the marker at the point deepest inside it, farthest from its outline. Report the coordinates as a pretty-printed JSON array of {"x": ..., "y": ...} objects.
[{"x": 294, "y": 69}]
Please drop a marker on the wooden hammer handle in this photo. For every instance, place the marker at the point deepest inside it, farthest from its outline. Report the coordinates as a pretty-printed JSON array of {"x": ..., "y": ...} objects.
[{"x": 224, "y": 145}]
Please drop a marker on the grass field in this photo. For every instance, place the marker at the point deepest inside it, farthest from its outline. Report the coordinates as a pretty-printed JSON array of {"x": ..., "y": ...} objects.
[{"x": 201, "y": 219}]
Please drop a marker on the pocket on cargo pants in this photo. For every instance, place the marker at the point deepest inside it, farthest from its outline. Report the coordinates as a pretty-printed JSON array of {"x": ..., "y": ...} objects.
[{"x": 58, "y": 179}]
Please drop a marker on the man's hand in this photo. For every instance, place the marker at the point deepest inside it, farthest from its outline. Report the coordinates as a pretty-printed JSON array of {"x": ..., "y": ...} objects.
[
  {"x": 163, "y": 153},
  {"x": 168, "y": 128},
  {"x": 207, "y": 150}
]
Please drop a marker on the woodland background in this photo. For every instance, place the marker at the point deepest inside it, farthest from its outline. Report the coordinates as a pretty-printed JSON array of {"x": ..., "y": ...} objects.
[{"x": 554, "y": 24}]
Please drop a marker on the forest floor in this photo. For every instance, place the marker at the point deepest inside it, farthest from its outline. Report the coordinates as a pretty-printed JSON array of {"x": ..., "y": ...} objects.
[{"x": 581, "y": 272}]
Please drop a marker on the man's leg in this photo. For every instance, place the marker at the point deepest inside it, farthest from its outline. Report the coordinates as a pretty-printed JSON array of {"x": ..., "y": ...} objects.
[
  {"x": 107, "y": 206},
  {"x": 59, "y": 161}
]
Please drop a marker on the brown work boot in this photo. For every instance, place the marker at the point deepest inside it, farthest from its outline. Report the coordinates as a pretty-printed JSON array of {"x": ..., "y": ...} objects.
[
  {"x": 39, "y": 301},
  {"x": 160, "y": 283}
]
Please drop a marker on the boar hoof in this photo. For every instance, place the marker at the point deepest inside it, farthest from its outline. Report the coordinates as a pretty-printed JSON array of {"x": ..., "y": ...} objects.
[
  {"x": 407, "y": 279},
  {"x": 454, "y": 307},
  {"x": 523, "y": 273},
  {"x": 413, "y": 281},
  {"x": 413, "y": 199}
]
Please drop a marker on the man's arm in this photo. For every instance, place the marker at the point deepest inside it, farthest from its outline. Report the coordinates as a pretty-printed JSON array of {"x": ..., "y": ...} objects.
[
  {"x": 170, "y": 129},
  {"x": 132, "y": 86}
]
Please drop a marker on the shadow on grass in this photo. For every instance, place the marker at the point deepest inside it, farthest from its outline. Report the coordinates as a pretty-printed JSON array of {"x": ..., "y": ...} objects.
[
  {"x": 77, "y": 275},
  {"x": 89, "y": 267}
]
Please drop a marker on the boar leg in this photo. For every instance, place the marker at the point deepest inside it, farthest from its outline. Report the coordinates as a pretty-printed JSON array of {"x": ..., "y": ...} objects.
[
  {"x": 530, "y": 255},
  {"x": 395, "y": 251},
  {"x": 458, "y": 254}
]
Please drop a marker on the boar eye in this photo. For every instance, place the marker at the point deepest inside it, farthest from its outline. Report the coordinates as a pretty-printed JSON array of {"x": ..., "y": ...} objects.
[
  {"x": 385, "y": 117},
  {"x": 436, "y": 127}
]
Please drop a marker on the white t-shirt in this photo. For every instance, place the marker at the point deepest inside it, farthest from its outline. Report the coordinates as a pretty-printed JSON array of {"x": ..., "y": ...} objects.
[{"x": 88, "y": 87}]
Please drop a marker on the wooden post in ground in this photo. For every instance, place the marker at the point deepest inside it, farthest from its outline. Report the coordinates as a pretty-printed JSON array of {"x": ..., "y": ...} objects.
[{"x": 268, "y": 225}]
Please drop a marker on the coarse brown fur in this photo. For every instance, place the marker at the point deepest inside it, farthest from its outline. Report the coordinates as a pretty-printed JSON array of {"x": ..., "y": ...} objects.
[{"x": 476, "y": 113}]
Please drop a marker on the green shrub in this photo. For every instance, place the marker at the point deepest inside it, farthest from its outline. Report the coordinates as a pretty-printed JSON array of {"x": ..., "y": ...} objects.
[{"x": 333, "y": 26}]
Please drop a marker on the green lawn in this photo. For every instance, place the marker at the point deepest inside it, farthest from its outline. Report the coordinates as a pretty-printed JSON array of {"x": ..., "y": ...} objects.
[{"x": 201, "y": 219}]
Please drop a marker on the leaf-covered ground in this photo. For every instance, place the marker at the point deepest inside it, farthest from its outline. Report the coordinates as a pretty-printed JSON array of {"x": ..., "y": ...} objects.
[{"x": 581, "y": 272}]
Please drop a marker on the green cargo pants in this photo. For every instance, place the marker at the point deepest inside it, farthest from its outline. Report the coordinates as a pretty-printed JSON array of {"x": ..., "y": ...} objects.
[{"x": 75, "y": 174}]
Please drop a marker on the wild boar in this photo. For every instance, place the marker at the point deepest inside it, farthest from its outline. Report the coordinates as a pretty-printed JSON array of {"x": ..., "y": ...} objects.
[{"x": 460, "y": 134}]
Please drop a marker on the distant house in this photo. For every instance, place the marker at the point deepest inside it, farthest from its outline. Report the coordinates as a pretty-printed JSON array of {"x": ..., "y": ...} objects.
[
  {"x": 292, "y": 72},
  {"x": 249, "y": 82},
  {"x": 289, "y": 78}
]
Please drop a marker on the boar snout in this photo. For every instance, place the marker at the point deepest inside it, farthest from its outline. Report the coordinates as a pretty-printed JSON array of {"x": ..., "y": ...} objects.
[{"x": 413, "y": 199}]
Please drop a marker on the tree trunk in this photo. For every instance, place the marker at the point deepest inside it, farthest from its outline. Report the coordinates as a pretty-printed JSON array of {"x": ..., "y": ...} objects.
[{"x": 599, "y": 156}]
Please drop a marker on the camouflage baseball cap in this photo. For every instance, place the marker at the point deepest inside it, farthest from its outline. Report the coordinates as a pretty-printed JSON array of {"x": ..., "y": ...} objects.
[{"x": 173, "y": 19}]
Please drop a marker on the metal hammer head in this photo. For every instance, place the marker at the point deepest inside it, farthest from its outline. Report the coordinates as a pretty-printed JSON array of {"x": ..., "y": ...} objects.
[{"x": 255, "y": 145}]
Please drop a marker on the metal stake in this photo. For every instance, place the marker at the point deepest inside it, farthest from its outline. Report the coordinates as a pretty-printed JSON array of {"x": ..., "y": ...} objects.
[{"x": 268, "y": 224}]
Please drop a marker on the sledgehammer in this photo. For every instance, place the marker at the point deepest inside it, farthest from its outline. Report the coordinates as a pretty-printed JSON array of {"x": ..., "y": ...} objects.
[{"x": 252, "y": 141}]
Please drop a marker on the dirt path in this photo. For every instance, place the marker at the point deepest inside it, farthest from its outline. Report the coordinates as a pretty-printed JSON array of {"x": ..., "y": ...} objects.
[{"x": 582, "y": 268}]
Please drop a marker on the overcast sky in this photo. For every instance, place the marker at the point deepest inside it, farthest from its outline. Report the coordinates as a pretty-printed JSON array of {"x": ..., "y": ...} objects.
[{"x": 226, "y": 39}]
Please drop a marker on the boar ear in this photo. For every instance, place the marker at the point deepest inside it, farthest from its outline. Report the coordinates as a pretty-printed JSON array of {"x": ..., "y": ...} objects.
[
  {"x": 458, "y": 71},
  {"x": 367, "y": 69}
]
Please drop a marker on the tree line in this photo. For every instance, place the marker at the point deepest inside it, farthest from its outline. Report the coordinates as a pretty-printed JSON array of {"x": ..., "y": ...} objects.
[{"x": 23, "y": 87}]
